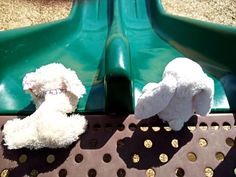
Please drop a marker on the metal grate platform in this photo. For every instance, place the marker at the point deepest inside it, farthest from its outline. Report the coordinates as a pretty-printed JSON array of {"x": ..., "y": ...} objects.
[{"x": 121, "y": 146}]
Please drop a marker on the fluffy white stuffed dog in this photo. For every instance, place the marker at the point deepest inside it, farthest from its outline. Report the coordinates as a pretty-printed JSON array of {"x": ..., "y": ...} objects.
[
  {"x": 55, "y": 91},
  {"x": 185, "y": 89}
]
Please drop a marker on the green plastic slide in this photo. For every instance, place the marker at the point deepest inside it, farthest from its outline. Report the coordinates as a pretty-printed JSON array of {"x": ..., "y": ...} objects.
[{"x": 116, "y": 47}]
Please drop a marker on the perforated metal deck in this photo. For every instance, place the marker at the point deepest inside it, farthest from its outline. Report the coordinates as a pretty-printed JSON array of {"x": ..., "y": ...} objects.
[{"x": 121, "y": 146}]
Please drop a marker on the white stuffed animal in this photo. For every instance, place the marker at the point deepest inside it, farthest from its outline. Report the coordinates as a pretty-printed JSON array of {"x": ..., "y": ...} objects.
[
  {"x": 185, "y": 89},
  {"x": 55, "y": 91}
]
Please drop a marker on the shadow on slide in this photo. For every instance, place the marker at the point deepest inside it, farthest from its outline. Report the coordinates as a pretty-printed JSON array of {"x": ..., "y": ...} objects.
[{"x": 116, "y": 47}]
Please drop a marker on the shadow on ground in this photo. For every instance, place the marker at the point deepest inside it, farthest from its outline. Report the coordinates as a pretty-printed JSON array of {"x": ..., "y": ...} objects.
[{"x": 152, "y": 147}]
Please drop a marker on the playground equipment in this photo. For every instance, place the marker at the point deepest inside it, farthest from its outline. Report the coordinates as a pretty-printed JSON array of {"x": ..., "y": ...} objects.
[{"x": 116, "y": 47}]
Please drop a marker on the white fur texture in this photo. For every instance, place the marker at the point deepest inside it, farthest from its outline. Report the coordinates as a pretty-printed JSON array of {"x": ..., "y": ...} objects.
[
  {"x": 55, "y": 91},
  {"x": 185, "y": 89}
]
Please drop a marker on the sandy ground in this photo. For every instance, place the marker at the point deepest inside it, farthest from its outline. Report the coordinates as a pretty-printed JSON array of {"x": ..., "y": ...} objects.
[
  {"x": 217, "y": 11},
  {"x": 20, "y": 13}
]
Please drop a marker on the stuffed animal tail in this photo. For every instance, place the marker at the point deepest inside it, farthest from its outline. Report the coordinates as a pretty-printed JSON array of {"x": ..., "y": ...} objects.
[{"x": 155, "y": 97}]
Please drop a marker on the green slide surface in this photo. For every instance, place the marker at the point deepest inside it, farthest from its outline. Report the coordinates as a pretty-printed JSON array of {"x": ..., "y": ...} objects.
[{"x": 116, "y": 47}]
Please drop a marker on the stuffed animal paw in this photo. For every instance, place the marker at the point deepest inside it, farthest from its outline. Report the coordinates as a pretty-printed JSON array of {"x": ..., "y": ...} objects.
[
  {"x": 55, "y": 91},
  {"x": 184, "y": 90}
]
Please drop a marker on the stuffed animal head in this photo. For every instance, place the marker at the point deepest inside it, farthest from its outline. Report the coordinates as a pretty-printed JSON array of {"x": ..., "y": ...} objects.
[
  {"x": 185, "y": 89},
  {"x": 52, "y": 79}
]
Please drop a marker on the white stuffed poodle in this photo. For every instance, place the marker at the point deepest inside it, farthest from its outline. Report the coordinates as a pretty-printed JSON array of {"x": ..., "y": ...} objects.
[
  {"x": 55, "y": 91},
  {"x": 185, "y": 89}
]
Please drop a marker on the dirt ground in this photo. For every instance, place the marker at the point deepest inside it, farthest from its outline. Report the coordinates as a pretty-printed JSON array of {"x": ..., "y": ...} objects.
[
  {"x": 20, "y": 13},
  {"x": 217, "y": 11}
]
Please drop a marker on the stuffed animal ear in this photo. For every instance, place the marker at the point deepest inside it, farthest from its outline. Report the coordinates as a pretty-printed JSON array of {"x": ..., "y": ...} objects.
[
  {"x": 29, "y": 81},
  {"x": 176, "y": 124},
  {"x": 155, "y": 97},
  {"x": 73, "y": 84},
  {"x": 202, "y": 101}
]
